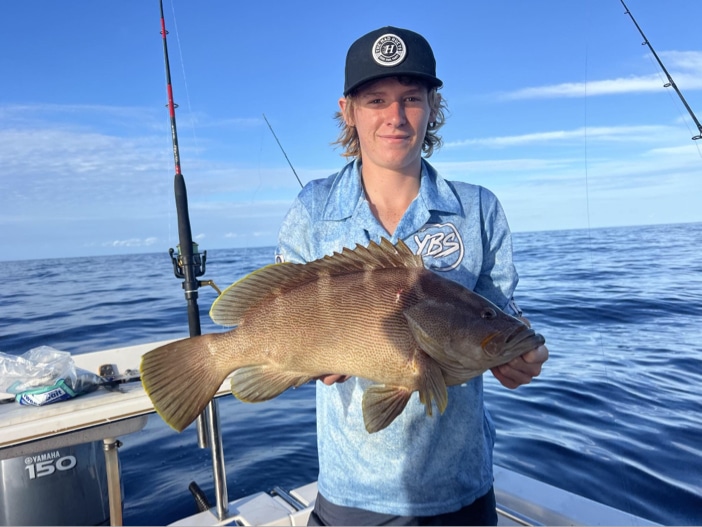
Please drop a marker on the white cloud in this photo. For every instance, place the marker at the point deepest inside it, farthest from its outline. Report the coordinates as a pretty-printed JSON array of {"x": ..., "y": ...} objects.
[
  {"x": 592, "y": 133},
  {"x": 132, "y": 242},
  {"x": 684, "y": 66}
]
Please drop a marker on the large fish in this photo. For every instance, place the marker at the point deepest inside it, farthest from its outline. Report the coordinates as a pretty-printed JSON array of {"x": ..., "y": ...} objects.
[{"x": 373, "y": 312}]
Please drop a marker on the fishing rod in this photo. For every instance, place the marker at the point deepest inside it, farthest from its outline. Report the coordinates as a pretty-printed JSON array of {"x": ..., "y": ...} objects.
[
  {"x": 671, "y": 82},
  {"x": 282, "y": 150},
  {"x": 188, "y": 265}
]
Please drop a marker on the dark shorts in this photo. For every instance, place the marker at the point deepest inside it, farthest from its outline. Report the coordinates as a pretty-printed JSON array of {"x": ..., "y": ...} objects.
[{"x": 480, "y": 512}]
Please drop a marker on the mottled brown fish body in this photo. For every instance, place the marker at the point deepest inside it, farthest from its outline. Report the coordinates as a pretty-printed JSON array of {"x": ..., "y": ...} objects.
[
  {"x": 352, "y": 324},
  {"x": 373, "y": 312}
]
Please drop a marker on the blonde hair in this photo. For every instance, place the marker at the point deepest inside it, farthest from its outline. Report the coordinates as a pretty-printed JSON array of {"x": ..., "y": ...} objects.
[{"x": 348, "y": 137}]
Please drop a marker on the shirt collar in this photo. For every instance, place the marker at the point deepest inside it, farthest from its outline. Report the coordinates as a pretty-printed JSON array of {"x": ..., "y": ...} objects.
[
  {"x": 435, "y": 191},
  {"x": 346, "y": 193}
]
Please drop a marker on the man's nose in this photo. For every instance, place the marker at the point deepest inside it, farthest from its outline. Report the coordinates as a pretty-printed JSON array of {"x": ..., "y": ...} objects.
[{"x": 395, "y": 113}]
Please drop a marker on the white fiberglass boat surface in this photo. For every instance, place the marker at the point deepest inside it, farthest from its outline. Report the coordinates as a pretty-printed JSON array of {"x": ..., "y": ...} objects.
[{"x": 106, "y": 415}]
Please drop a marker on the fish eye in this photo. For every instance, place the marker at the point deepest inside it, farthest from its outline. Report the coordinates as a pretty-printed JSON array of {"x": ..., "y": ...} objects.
[{"x": 488, "y": 314}]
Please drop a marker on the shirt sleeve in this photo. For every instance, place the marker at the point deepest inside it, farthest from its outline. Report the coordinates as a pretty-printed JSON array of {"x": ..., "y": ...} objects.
[
  {"x": 294, "y": 235},
  {"x": 498, "y": 275}
]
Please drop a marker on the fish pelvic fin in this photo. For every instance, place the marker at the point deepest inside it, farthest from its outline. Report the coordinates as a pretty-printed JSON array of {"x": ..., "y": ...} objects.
[
  {"x": 181, "y": 378},
  {"x": 383, "y": 403},
  {"x": 434, "y": 388},
  {"x": 254, "y": 384},
  {"x": 273, "y": 280}
]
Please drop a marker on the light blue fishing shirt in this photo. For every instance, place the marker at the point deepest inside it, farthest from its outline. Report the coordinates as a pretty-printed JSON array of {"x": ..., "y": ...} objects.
[{"x": 418, "y": 465}]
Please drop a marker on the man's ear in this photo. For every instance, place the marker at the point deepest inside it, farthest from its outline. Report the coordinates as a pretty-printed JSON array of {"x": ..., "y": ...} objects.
[{"x": 345, "y": 106}]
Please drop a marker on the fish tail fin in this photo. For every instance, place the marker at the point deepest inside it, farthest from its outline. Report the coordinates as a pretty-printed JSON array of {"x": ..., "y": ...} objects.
[{"x": 182, "y": 377}]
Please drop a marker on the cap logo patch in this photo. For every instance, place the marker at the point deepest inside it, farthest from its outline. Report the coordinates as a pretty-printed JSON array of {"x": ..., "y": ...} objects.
[{"x": 389, "y": 50}]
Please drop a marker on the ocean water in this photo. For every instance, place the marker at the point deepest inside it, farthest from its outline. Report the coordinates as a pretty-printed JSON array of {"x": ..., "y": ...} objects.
[{"x": 615, "y": 416}]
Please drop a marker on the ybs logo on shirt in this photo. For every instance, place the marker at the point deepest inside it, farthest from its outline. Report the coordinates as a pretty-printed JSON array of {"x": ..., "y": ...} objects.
[{"x": 440, "y": 245}]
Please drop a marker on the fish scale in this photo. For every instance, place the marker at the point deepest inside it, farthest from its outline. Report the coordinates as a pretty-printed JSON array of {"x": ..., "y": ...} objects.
[{"x": 374, "y": 312}]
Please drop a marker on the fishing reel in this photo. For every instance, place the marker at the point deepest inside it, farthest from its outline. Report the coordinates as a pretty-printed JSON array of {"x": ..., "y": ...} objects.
[{"x": 198, "y": 263}]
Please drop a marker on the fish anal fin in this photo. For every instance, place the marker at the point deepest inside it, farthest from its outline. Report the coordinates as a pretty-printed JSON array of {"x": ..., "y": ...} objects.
[
  {"x": 254, "y": 384},
  {"x": 382, "y": 404}
]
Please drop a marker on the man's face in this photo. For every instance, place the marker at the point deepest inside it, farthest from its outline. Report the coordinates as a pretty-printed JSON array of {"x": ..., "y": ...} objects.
[{"x": 391, "y": 120}]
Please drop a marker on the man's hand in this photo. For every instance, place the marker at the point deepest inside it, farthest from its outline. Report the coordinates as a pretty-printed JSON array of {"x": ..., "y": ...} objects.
[
  {"x": 332, "y": 378},
  {"x": 522, "y": 369}
]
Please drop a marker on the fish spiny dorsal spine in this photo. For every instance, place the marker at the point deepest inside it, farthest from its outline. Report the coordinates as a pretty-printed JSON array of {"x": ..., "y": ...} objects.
[{"x": 276, "y": 279}]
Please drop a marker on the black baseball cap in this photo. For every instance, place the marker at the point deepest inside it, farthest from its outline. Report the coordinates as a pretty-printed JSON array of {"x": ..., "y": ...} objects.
[{"x": 388, "y": 52}]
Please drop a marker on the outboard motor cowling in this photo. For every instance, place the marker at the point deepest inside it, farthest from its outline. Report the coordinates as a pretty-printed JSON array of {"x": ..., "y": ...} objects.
[{"x": 62, "y": 486}]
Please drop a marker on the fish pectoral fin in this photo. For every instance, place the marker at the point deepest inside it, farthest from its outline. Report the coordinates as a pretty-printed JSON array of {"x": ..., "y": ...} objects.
[
  {"x": 382, "y": 404},
  {"x": 423, "y": 325},
  {"x": 428, "y": 321},
  {"x": 254, "y": 384}
]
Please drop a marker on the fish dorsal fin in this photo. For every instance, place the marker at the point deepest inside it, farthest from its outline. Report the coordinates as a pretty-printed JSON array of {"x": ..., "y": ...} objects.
[{"x": 276, "y": 279}]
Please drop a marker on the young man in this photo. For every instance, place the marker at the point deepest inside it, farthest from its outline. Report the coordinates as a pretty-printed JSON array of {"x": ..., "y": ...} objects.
[{"x": 419, "y": 470}]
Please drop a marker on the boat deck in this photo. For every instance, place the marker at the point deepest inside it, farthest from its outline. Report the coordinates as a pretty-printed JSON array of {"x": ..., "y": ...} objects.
[
  {"x": 520, "y": 501},
  {"x": 90, "y": 417},
  {"x": 105, "y": 415}
]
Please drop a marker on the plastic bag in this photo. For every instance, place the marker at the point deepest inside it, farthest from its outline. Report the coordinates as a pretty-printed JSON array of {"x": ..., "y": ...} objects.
[{"x": 44, "y": 375}]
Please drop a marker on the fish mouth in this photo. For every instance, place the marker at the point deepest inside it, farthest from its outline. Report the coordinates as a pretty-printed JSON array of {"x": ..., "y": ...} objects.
[{"x": 523, "y": 339}]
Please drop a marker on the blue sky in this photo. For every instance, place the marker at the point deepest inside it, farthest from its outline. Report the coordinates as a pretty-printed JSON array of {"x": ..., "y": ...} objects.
[{"x": 554, "y": 105}]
